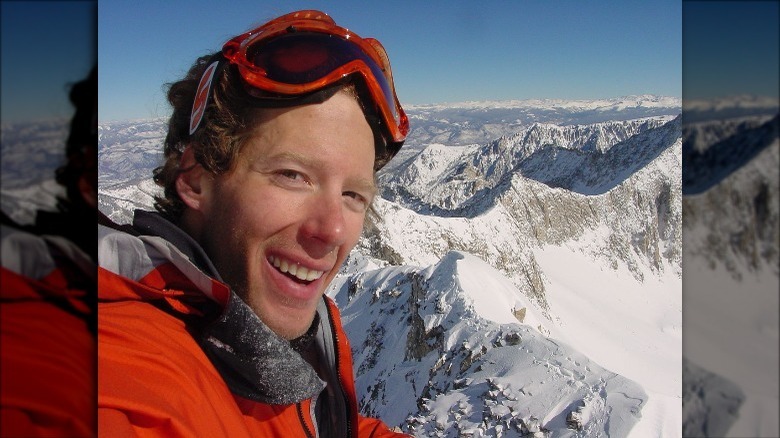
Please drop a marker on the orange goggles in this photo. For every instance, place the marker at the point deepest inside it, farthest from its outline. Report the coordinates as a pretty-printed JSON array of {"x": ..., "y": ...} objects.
[{"x": 303, "y": 52}]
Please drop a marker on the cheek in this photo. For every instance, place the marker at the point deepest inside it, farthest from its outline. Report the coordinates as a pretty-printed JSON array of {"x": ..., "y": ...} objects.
[
  {"x": 234, "y": 222},
  {"x": 256, "y": 221},
  {"x": 354, "y": 225},
  {"x": 266, "y": 220},
  {"x": 357, "y": 224}
]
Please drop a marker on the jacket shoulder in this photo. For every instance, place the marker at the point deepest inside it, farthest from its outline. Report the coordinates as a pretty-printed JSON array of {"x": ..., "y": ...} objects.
[{"x": 152, "y": 375}]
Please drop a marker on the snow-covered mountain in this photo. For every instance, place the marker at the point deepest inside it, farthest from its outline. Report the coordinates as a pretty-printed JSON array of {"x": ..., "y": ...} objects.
[
  {"x": 522, "y": 269},
  {"x": 546, "y": 185},
  {"x": 731, "y": 246},
  {"x": 128, "y": 152},
  {"x": 31, "y": 153},
  {"x": 454, "y": 349}
]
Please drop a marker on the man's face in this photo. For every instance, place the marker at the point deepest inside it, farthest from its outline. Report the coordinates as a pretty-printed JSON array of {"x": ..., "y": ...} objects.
[{"x": 279, "y": 225}]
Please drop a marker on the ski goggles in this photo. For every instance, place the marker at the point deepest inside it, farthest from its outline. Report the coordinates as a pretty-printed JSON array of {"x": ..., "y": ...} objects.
[{"x": 303, "y": 52}]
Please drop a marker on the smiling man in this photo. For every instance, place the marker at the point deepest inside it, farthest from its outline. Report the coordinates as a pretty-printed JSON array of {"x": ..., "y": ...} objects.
[{"x": 212, "y": 316}]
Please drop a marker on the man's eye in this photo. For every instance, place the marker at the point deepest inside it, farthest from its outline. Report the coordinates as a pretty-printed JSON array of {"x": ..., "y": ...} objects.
[
  {"x": 290, "y": 174},
  {"x": 357, "y": 200},
  {"x": 290, "y": 178}
]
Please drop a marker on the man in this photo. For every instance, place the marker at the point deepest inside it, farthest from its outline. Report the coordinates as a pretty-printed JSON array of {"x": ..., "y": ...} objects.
[{"x": 212, "y": 314}]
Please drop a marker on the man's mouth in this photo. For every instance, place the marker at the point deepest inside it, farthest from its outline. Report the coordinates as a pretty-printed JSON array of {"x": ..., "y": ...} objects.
[{"x": 294, "y": 270}]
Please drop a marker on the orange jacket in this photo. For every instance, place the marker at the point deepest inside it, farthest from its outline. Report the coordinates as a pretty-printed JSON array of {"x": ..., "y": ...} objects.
[
  {"x": 157, "y": 378},
  {"x": 46, "y": 348}
]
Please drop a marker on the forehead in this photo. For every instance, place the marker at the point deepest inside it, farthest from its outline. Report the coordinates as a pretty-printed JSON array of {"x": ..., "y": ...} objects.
[{"x": 334, "y": 130}]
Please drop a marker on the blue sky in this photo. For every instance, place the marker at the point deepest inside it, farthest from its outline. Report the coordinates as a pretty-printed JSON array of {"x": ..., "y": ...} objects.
[
  {"x": 730, "y": 48},
  {"x": 45, "y": 47},
  {"x": 441, "y": 51}
]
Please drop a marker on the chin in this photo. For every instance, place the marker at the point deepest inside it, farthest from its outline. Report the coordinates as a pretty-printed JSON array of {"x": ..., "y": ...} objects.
[{"x": 288, "y": 322}]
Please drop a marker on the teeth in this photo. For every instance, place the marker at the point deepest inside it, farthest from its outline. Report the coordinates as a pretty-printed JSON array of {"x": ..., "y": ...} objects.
[{"x": 300, "y": 272}]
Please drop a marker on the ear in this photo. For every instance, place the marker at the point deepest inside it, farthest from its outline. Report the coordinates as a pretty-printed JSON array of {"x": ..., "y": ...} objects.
[{"x": 191, "y": 184}]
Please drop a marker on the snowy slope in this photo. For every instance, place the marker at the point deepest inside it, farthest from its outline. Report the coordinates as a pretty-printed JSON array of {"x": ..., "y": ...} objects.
[{"x": 441, "y": 351}]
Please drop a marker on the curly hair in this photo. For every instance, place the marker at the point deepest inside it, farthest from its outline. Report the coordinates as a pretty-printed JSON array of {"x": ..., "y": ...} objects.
[{"x": 227, "y": 125}]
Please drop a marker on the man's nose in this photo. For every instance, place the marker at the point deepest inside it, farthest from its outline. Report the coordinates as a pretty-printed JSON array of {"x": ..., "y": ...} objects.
[{"x": 324, "y": 226}]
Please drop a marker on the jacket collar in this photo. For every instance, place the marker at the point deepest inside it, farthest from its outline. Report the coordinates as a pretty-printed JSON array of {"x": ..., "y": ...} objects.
[{"x": 256, "y": 363}]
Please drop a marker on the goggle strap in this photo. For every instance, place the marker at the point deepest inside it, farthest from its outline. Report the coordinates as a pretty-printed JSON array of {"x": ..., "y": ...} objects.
[
  {"x": 202, "y": 95},
  {"x": 285, "y": 101}
]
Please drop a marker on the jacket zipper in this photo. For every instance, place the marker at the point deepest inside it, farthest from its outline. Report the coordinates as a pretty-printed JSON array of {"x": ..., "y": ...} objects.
[
  {"x": 338, "y": 370},
  {"x": 303, "y": 420}
]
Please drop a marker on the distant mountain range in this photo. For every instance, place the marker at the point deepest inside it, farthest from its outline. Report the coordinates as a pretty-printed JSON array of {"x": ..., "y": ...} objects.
[
  {"x": 481, "y": 122},
  {"x": 731, "y": 107}
]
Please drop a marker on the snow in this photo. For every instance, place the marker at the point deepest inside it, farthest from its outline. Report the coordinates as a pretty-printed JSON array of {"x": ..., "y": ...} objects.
[
  {"x": 480, "y": 361},
  {"x": 476, "y": 276},
  {"x": 743, "y": 324},
  {"x": 596, "y": 310}
]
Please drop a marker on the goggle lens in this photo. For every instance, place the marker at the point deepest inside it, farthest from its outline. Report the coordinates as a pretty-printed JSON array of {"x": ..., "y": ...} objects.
[{"x": 299, "y": 59}]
